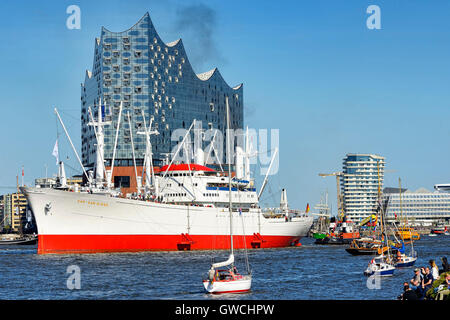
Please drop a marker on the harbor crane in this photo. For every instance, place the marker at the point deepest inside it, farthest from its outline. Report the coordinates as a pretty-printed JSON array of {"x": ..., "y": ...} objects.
[{"x": 339, "y": 195}]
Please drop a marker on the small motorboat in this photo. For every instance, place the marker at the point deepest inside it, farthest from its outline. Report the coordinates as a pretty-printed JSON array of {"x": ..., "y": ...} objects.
[{"x": 378, "y": 266}]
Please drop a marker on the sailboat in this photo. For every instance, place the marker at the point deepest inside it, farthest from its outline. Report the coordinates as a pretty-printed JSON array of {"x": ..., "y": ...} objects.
[
  {"x": 223, "y": 277},
  {"x": 381, "y": 265},
  {"x": 402, "y": 260}
]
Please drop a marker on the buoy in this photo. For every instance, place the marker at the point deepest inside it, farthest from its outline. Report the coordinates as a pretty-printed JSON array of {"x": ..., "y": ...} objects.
[{"x": 298, "y": 244}]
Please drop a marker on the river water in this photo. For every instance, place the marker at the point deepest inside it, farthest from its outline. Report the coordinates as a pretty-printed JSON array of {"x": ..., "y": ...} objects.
[{"x": 309, "y": 272}]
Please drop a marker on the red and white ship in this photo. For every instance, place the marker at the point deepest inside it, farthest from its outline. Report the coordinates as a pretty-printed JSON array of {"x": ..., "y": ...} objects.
[{"x": 181, "y": 207}]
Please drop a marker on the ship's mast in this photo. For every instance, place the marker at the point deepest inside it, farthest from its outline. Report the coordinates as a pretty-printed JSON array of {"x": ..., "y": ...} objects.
[
  {"x": 138, "y": 179},
  {"x": 148, "y": 160},
  {"x": 100, "y": 169},
  {"x": 229, "y": 174},
  {"x": 110, "y": 173}
]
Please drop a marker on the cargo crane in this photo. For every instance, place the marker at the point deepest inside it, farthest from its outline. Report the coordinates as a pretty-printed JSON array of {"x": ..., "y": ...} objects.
[{"x": 339, "y": 195}]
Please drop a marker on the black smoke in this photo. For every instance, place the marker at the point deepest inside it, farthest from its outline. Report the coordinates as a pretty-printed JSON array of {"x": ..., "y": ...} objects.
[{"x": 198, "y": 24}]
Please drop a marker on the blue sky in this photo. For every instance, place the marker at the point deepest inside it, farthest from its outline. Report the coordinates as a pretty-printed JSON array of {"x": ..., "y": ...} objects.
[{"x": 310, "y": 68}]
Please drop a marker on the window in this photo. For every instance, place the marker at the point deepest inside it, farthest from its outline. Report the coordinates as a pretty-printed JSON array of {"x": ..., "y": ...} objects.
[{"x": 121, "y": 181}]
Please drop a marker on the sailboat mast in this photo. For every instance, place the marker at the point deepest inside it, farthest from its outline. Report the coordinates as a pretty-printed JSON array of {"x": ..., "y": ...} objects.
[
  {"x": 229, "y": 174},
  {"x": 383, "y": 236},
  {"x": 406, "y": 215}
]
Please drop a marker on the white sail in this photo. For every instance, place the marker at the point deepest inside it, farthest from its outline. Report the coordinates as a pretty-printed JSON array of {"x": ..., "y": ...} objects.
[{"x": 224, "y": 263}]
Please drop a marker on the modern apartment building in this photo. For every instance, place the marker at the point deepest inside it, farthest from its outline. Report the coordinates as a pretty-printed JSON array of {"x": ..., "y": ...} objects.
[
  {"x": 362, "y": 175},
  {"x": 136, "y": 68}
]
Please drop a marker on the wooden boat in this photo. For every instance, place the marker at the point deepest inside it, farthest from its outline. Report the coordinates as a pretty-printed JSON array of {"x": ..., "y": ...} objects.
[
  {"x": 22, "y": 240},
  {"x": 365, "y": 246}
]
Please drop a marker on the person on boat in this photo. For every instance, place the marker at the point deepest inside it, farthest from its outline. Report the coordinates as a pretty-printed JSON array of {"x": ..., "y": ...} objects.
[
  {"x": 235, "y": 272},
  {"x": 434, "y": 270},
  {"x": 211, "y": 274},
  {"x": 399, "y": 256},
  {"x": 445, "y": 265},
  {"x": 408, "y": 293}
]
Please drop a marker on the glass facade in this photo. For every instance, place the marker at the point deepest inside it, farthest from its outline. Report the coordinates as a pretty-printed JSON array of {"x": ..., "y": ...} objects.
[
  {"x": 420, "y": 205},
  {"x": 137, "y": 68}
]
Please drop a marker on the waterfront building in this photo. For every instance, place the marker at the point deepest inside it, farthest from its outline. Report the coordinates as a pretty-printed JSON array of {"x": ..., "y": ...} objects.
[
  {"x": 13, "y": 212},
  {"x": 147, "y": 75},
  {"x": 421, "y": 207},
  {"x": 53, "y": 182},
  {"x": 362, "y": 173}
]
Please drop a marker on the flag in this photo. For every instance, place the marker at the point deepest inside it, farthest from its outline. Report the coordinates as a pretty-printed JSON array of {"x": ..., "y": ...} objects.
[
  {"x": 55, "y": 152},
  {"x": 307, "y": 208}
]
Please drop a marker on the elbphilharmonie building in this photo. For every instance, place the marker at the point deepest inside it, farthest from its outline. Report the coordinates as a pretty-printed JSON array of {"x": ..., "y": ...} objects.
[{"x": 137, "y": 68}]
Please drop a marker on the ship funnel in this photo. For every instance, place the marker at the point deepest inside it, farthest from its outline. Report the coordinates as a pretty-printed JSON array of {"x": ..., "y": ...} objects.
[
  {"x": 62, "y": 175},
  {"x": 283, "y": 202}
]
